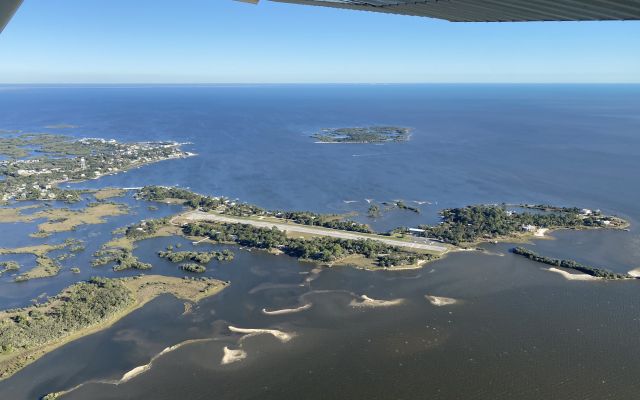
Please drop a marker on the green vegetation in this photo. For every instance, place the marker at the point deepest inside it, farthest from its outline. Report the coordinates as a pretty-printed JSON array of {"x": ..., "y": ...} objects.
[
  {"x": 83, "y": 308},
  {"x": 320, "y": 249},
  {"x": 207, "y": 203},
  {"x": 119, "y": 251},
  {"x": 484, "y": 222},
  {"x": 123, "y": 259},
  {"x": 45, "y": 265},
  {"x": 62, "y": 219},
  {"x": 401, "y": 205},
  {"x": 6, "y": 266},
  {"x": 199, "y": 257},
  {"x": 108, "y": 193},
  {"x": 81, "y": 305},
  {"x": 325, "y": 221},
  {"x": 75, "y": 270},
  {"x": 145, "y": 228},
  {"x": 175, "y": 194},
  {"x": 570, "y": 264},
  {"x": 374, "y": 211},
  {"x": 373, "y": 134},
  {"x": 193, "y": 267},
  {"x": 38, "y": 162}
]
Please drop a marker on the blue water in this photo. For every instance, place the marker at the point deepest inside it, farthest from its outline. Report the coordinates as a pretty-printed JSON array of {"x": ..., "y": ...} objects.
[
  {"x": 567, "y": 144},
  {"x": 520, "y": 332}
]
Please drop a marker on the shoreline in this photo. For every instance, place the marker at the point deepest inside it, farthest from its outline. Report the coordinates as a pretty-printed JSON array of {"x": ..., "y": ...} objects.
[
  {"x": 574, "y": 277},
  {"x": 143, "y": 291}
]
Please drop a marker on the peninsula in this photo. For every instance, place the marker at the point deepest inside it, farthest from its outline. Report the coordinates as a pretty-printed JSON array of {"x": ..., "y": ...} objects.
[
  {"x": 28, "y": 333},
  {"x": 38, "y": 163},
  {"x": 333, "y": 240}
]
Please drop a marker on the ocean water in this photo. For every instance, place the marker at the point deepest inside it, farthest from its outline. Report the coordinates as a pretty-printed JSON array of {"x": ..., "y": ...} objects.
[{"x": 518, "y": 331}]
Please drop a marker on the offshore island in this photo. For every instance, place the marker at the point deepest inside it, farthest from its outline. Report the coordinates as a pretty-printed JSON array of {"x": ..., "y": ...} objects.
[
  {"x": 371, "y": 134},
  {"x": 35, "y": 164}
]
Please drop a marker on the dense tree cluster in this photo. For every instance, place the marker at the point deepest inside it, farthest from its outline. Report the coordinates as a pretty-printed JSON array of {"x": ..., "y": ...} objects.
[
  {"x": 322, "y": 249},
  {"x": 84, "y": 304},
  {"x": 193, "y": 200},
  {"x": 570, "y": 264},
  {"x": 469, "y": 224},
  {"x": 374, "y": 211},
  {"x": 202, "y": 257},
  {"x": 123, "y": 259},
  {"x": 193, "y": 267},
  {"x": 396, "y": 259},
  {"x": 326, "y": 221},
  {"x": 207, "y": 203},
  {"x": 403, "y": 206},
  {"x": 145, "y": 228},
  {"x": 245, "y": 235}
]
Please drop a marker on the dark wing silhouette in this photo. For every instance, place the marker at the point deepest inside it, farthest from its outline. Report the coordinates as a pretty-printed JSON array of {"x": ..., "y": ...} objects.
[
  {"x": 492, "y": 10},
  {"x": 7, "y": 9},
  {"x": 460, "y": 10}
]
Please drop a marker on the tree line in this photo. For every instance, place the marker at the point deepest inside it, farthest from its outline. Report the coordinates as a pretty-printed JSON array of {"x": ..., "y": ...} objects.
[
  {"x": 321, "y": 249},
  {"x": 201, "y": 257},
  {"x": 569, "y": 264},
  {"x": 471, "y": 223}
]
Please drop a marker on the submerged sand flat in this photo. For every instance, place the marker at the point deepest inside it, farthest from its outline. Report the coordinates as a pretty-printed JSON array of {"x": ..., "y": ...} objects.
[
  {"x": 440, "y": 301},
  {"x": 231, "y": 356},
  {"x": 371, "y": 303},
  {"x": 574, "y": 277},
  {"x": 134, "y": 293},
  {"x": 135, "y": 372},
  {"x": 280, "y": 335}
]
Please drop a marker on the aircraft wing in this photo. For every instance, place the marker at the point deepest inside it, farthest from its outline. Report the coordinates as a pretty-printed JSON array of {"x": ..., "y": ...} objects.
[
  {"x": 460, "y": 10},
  {"x": 7, "y": 9},
  {"x": 492, "y": 10}
]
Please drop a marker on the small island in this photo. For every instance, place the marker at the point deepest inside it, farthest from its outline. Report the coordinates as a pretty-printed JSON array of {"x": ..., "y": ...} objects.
[
  {"x": 371, "y": 134},
  {"x": 570, "y": 264}
]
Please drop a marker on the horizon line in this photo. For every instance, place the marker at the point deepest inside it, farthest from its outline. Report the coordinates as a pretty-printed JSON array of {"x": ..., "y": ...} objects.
[{"x": 302, "y": 83}]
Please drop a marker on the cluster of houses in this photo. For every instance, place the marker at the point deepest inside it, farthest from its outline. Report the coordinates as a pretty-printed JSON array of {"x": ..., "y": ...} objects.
[{"x": 121, "y": 157}]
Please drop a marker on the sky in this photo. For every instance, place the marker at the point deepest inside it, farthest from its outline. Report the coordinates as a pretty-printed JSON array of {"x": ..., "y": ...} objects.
[{"x": 224, "y": 41}]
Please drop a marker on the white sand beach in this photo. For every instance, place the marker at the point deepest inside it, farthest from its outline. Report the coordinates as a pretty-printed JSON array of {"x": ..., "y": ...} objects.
[
  {"x": 635, "y": 273},
  {"x": 573, "y": 277},
  {"x": 282, "y": 336},
  {"x": 287, "y": 310}
]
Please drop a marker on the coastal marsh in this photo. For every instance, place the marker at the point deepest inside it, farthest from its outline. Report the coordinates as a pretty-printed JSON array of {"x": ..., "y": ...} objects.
[{"x": 84, "y": 308}]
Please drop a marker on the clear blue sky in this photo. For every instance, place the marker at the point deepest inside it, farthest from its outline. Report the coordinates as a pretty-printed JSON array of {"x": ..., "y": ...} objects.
[{"x": 223, "y": 41}]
